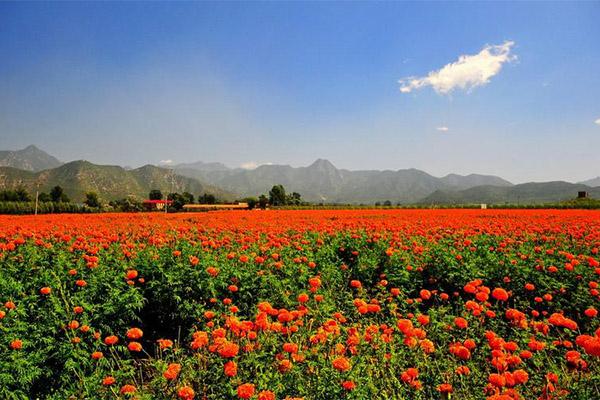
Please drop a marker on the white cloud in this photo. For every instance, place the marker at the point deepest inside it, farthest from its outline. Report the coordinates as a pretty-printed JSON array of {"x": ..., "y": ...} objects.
[
  {"x": 253, "y": 165},
  {"x": 468, "y": 72},
  {"x": 442, "y": 128},
  {"x": 597, "y": 122},
  {"x": 166, "y": 162}
]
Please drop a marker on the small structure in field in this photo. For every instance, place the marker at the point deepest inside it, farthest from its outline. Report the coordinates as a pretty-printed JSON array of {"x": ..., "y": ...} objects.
[
  {"x": 156, "y": 205},
  {"x": 483, "y": 206},
  {"x": 208, "y": 207},
  {"x": 582, "y": 195}
]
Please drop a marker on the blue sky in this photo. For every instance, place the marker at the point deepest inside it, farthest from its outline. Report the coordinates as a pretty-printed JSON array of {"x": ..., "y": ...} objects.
[{"x": 286, "y": 83}]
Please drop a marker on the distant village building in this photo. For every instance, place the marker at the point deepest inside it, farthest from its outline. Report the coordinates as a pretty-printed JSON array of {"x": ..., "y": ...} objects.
[
  {"x": 207, "y": 207},
  {"x": 483, "y": 206},
  {"x": 156, "y": 205},
  {"x": 582, "y": 195}
]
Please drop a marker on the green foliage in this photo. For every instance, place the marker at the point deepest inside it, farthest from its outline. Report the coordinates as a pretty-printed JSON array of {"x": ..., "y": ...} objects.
[
  {"x": 8, "y": 207},
  {"x": 128, "y": 204},
  {"x": 58, "y": 195},
  {"x": 251, "y": 201},
  {"x": 92, "y": 200},
  {"x": 207, "y": 198},
  {"x": 19, "y": 194},
  {"x": 163, "y": 283},
  {"x": 155, "y": 194},
  {"x": 277, "y": 196}
]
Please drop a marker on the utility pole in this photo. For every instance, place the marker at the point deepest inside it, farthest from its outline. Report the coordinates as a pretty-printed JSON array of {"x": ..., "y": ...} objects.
[
  {"x": 37, "y": 193},
  {"x": 167, "y": 198}
]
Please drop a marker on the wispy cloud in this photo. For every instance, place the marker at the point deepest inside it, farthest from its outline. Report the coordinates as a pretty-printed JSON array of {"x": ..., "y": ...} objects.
[
  {"x": 468, "y": 72},
  {"x": 597, "y": 122},
  {"x": 253, "y": 164},
  {"x": 442, "y": 128},
  {"x": 166, "y": 162}
]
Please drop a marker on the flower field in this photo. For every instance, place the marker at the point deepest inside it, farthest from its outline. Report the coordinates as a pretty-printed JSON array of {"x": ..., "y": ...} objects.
[{"x": 362, "y": 304}]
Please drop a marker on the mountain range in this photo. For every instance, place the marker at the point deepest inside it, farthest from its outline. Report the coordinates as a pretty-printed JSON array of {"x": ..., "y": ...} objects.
[
  {"x": 323, "y": 182},
  {"x": 110, "y": 182},
  {"x": 29, "y": 159},
  {"x": 319, "y": 182}
]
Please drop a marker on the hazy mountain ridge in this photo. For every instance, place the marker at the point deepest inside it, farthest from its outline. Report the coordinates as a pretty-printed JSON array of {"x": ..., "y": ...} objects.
[
  {"x": 594, "y": 182},
  {"x": 110, "y": 182},
  {"x": 532, "y": 192},
  {"x": 319, "y": 182},
  {"x": 29, "y": 159},
  {"x": 322, "y": 181}
]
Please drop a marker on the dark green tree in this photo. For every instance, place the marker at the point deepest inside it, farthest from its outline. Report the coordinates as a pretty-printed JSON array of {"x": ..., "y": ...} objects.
[
  {"x": 92, "y": 200},
  {"x": 277, "y": 196},
  {"x": 251, "y": 201},
  {"x": 22, "y": 194},
  {"x": 293, "y": 199},
  {"x": 263, "y": 201},
  {"x": 58, "y": 195},
  {"x": 155, "y": 194},
  {"x": 178, "y": 201},
  {"x": 44, "y": 197},
  {"x": 207, "y": 198},
  {"x": 188, "y": 197}
]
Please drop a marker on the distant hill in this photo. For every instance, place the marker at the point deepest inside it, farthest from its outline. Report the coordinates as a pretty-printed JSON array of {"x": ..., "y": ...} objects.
[
  {"x": 594, "y": 182},
  {"x": 322, "y": 181},
  {"x": 319, "y": 182},
  {"x": 110, "y": 182},
  {"x": 29, "y": 159},
  {"x": 535, "y": 192}
]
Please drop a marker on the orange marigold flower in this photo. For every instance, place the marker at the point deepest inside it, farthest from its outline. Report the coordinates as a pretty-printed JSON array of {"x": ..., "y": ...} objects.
[
  {"x": 500, "y": 294},
  {"x": 266, "y": 395},
  {"x": 125, "y": 389},
  {"x": 444, "y": 388},
  {"x": 172, "y": 371},
  {"x": 165, "y": 343},
  {"x": 135, "y": 346},
  {"x": 111, "y": 340},
  {"x": 342, "y": 364},
  {"x": 591, "y": 312},
  {"x": 303, "y": 298},
  {"x": 230, "y": 368},
  {"x": 349, "y": 385},
  {"x": 245, "y": 391},
  {"x": 131, "y": 274},
  {"x": 16, "y": 344},
  {"x": 45, "y": 290},
  {"x": 108, "y": 380},
  {"x": 290, "y": 347},
  {"x": 186, "y": 393},
  {"x": 229, "y": 350},
  {"x": 461, "y": 323},
  {"x": 135, "y": 333}
]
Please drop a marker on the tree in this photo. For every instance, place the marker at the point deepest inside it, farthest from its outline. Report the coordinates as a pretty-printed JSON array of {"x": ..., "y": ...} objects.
[
  {"x": 277, "y": 196},
  {"x": 387, "y": 203},
  {"x": 207, "y": 198},
  {"x": 294, "y": 199},
  {"x": 251, "y": 201},
  {"x": 263, "y": 201},
  {"x": 128, "y": 204},
  {"x": 178, "y": 201},
  {"x": 155, "y": 194},
  {"x": 58, "y": 195},
  {"x": 188, "y": 197},
  {"x": 92, "y": 200},
  {"x": 22, "y": 194},
  {"x": 44, "y": 197}
]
